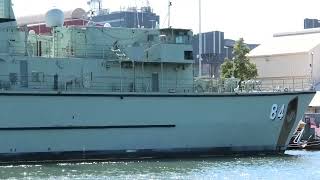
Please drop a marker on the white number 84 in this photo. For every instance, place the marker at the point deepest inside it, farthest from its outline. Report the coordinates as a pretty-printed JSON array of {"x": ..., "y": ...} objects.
[{"x": 277, "y": 112}]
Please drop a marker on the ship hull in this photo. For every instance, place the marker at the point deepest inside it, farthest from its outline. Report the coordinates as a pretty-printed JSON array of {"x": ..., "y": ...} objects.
[{"x": 73, "y": 127}]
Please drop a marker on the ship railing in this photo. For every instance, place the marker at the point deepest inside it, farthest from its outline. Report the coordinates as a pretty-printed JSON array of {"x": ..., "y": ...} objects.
[
  {"x": 45, "y": 49},
  {"x": 124, "y": 52},
  {"x": 77, "y": 50},
  {"x": 286, "y": 84},
  {"x": 87, "y": 82},
  {"x": 275, "y": 84},
  {"x": 16, "y": 48}
]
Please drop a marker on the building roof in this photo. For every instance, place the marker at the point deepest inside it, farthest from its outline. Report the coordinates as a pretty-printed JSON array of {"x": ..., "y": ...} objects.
[
  {"x": 77, "y": 13},
  {"x": 316, "y": 100},
  {"x": 289, "y": 43}
]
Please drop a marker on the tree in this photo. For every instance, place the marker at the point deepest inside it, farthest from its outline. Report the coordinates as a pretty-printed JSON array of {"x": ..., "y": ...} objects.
[
  {"x": 240, "y": 66},
  {"x": 227, "y": 69}
]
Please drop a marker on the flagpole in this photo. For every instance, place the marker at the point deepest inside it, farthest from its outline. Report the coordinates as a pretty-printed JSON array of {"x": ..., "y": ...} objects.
[
  {"x": 169, "y": 13},
  {"x": 200, "y": 41}
]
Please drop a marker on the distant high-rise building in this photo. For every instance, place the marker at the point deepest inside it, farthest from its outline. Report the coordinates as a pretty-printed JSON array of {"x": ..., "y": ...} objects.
[
  {"x": 215, "y": 50},
  {"x": 311, "y": 23},
  {"x": 129, "y": 18}
]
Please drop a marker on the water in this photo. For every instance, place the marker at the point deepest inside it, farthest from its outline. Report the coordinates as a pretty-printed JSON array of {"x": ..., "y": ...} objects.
[{"x": 294, "y": 165}]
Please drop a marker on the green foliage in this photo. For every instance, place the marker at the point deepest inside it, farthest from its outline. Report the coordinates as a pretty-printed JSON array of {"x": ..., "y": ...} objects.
[
  {"x": 240, "y": 66},
  {"x": 227, "y": 69}
]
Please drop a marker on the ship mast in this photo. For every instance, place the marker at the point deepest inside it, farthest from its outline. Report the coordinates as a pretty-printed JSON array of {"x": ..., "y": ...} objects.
[
  {"x": 200, "y": 41},
  {"x": 169, "y": 13}
]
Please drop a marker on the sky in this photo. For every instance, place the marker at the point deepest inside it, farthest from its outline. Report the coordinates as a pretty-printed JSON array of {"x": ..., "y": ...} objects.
[{"x": 254, "y": 20}]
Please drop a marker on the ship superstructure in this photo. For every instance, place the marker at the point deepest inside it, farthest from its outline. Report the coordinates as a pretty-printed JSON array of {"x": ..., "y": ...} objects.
[
  {"x": 142, "y": 59},
  {"x": 100, "y": 93}
]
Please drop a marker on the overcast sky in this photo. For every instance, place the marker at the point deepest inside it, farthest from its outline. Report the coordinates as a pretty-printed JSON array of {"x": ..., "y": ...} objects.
[{"x": 254, "y": 20}]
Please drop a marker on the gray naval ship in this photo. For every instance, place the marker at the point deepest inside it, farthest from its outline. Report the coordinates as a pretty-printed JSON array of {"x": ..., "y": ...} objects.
[{"x": 100, "y": 93}]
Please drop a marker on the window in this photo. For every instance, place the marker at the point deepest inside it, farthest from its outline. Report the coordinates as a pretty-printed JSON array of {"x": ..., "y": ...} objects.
[
  {"x": 37, "y": 76},
  {"x": 13, "y": 77},
  {"x": 179, "y": 40},
  {"x": 188, "y": 55}
]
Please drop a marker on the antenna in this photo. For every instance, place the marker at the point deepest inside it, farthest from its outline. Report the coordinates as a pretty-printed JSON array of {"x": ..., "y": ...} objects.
[
  {"x": 200, "y": 41},
  {"x": 169, "y": 13},
  {"x": 95, "y": 5}
]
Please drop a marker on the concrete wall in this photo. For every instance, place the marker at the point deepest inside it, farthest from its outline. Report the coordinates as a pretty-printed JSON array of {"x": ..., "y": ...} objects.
[
  {"x": 314, "y": 59},
  {"x": 291, "y": 65}
]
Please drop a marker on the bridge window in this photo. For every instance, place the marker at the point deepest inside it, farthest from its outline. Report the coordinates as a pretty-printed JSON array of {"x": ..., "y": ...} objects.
[{"x": 188, "y": 55}]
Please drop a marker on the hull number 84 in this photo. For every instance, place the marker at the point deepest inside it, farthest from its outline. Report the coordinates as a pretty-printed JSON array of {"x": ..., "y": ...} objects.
[{"x": 277, "y": 111}]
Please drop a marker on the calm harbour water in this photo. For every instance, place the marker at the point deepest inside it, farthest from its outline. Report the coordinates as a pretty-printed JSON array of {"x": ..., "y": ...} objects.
[{"x": 294, "y": 165}]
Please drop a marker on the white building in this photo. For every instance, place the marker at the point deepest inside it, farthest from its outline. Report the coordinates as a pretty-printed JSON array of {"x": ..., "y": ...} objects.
[{"x": 290, "y": 55}]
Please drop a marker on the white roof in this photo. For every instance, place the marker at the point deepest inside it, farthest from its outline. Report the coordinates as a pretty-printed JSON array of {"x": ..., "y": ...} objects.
[
  {"x": 316, "y": 100},
  {"x": 290, "y": 44}
]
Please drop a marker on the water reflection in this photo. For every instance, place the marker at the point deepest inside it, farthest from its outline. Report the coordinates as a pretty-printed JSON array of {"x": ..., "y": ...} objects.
[{"x": 294, "y": 165}]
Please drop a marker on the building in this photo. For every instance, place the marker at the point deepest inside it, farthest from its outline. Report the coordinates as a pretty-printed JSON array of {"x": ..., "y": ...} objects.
[
  {"x": 311, "y": 23},
  {"x": 215, "y": 50},
  {"x": 213, "y": 53},
  {"x": 229, "y": 45},
  {"x": 129, "y": 18},
  {"x": 293, "y": 60},
  {"x": 292, "y": 57},
  {"x": 37, "y": 23}
]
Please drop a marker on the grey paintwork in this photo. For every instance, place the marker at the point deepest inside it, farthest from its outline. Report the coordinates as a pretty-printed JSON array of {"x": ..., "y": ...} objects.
[{"x": 93, "y": 76}]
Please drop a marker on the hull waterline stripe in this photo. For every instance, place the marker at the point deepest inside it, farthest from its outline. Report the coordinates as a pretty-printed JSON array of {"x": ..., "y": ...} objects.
[
  {"x": 84, "y": 127},
  {"x": 106, "y": 155}
]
